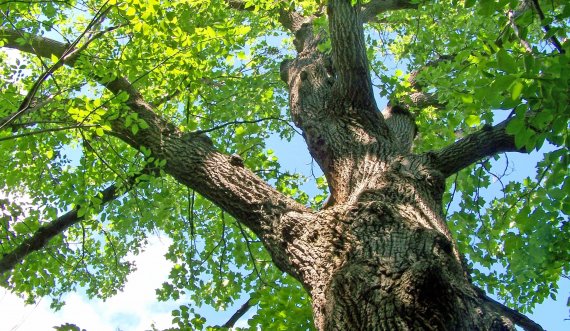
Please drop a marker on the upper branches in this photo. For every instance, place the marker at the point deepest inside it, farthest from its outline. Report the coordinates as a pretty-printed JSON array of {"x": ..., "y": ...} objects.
[{"x": 349, "y": 55}]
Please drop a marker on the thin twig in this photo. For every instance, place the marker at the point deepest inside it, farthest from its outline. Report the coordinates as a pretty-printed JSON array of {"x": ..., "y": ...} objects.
[
  {"x": 546, "y": 27},
  {"x": 252, "y": 258},
  {"x": 30, "y": 133},
  {"x": 452, "y": 195},
  {"x": 68, "y": 53}
]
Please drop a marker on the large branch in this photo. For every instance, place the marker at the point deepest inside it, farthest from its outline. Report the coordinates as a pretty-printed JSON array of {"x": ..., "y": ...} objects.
[
  {"x": 375, "y": 7},
  {"x": 193, "y": 160},
  {"x": 519, "y": 319},
  {"x": 488, "y": 141},
  {"x": 353, "y": 83}
]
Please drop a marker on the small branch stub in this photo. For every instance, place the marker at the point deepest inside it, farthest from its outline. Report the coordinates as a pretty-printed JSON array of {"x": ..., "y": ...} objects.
[{"x": 236, "y": 160}]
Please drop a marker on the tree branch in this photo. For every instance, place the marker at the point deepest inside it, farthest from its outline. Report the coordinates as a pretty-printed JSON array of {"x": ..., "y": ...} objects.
[
  {"x": 193, "y": 161},
  {"x": 353, "y": 83},
  {"x": 517, "y": 318},
  {"x": 34, "y": 105},
  {"x": 488, "y": 141},
  {"x": 34, "y": 132},
  {"x": 419, "y": 98},
  {"x": 375, "y": 7},
  {"x": 238, "y": 314},
  {"x": 512, "y": 15},
  {"x": 46, "y": 232}
]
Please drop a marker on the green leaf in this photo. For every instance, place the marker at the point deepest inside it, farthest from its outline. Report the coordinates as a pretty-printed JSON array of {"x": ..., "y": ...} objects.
[
  {"x": 469, "y": 3},
  {"x": 502, "y": 83},
  {"x": 239, "y": 130},
  {"x": 515, "y": 126},
  {"x": 506, "y": 62},
  {"x": 142, "y": 124},
  {"x": 521, "y": 139},
  {"x": 516, "y": 89},
  {"x": 131, "y": 11},
  {"x": 473, "y": 120},
  {"x": 467, "y": 98}
]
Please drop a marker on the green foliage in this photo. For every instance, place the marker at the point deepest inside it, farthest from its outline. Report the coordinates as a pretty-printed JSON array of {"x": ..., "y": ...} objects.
[
  {"x": 518, "y": 246},
  {"x": 209, "y": 65},
  {"x": 205, "y": 65},
  {"x": 68, "y": 327}
]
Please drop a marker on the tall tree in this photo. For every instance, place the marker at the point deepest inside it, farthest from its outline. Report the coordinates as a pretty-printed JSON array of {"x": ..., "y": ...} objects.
[{"x": 127, "y": 118}]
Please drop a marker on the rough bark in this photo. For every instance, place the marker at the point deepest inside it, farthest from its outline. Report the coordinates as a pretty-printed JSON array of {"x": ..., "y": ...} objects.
[{"x": 379, "y": 256}]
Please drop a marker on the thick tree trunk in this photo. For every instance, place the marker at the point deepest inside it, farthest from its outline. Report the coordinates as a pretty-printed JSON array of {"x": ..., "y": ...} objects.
[
  {"x": 392, "y": 268},
  {"x": 379, "y": 256},
  {"x": 385, "y": 260}
]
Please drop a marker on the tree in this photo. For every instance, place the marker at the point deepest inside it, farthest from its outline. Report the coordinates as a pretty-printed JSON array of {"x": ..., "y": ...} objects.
[{"x": 135, "y": 117}]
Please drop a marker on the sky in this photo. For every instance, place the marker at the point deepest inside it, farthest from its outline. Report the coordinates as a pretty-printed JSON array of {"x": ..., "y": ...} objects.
[{"x": 135, "y": 308}]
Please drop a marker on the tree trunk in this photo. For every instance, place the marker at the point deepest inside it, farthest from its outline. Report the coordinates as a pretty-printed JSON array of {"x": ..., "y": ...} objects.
[
  {"x": 379, "y": 256},
  {"x": 385, "y": 260}
]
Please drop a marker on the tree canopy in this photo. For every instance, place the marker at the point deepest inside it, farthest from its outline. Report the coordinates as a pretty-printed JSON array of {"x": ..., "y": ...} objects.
[{"x": 92, "y": 93}]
